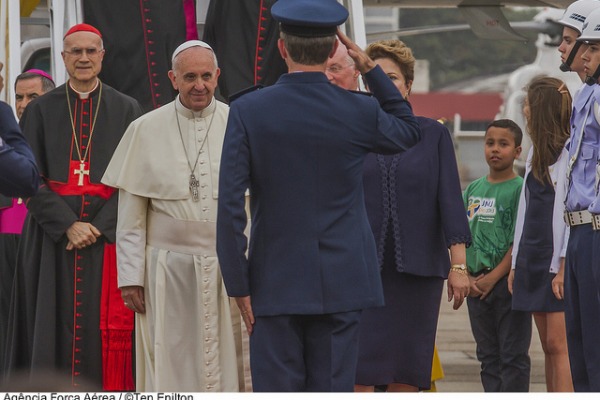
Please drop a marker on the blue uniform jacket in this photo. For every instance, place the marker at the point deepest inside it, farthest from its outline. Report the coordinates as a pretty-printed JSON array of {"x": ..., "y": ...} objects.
[
  {"x": 299, "y": 146},
  {"x": 19, "y": 176}
]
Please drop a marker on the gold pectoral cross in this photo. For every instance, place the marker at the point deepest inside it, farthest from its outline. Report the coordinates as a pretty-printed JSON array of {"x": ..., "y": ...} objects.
[{"x": 81, "y": 172}]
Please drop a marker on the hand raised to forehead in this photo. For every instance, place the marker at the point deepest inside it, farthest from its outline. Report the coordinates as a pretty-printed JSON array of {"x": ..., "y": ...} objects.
[{"x": 363, "y": 62}]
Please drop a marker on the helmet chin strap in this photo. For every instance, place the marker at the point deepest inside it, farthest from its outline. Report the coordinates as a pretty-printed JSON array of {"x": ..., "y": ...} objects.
[
  {"x": 592, "y": 80},
  {"x": 566, "y": 66}
]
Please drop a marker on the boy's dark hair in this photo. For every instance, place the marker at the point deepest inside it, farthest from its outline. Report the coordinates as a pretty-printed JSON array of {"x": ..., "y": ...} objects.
[{"x": 511, "y": 126}]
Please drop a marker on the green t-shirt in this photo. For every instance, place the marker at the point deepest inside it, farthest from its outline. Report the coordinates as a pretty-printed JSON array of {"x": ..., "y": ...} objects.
[{"x": 491, "y": 210}]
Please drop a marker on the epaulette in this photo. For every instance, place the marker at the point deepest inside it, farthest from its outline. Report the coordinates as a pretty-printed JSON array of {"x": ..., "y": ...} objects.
[
  {"x": 242, "y": 92},
  {"x": 361, "y": 92}
]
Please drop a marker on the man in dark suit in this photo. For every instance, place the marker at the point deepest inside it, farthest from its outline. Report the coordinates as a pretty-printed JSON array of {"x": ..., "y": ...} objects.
[
  {"x": 299, "y": 147},
  {"x": 19, "y": 176}
]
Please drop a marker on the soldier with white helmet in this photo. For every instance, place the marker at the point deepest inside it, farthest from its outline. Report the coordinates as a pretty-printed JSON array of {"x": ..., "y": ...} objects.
[
  {"x": 582, "y": 266},
  {"x": 591, "y": 37},
  {"x": 572, "y": 22}
]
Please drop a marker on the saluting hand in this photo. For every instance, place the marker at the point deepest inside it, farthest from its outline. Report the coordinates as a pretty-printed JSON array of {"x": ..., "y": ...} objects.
[{"x": 363, "y": 62}]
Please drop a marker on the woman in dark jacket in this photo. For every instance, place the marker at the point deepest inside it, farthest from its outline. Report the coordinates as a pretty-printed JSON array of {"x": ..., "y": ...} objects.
[{"x": 416, "y": 211}]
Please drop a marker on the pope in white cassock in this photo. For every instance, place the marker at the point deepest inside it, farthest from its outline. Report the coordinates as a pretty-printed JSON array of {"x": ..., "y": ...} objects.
[{"x": 167, "y": 170}]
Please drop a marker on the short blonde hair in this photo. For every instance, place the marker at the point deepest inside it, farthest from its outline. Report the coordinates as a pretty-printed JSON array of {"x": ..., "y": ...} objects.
[{"x": 396, "y": 51}]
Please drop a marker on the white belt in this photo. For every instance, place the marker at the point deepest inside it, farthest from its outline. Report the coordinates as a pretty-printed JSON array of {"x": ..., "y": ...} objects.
[
  {"x": 578, "y": 218},
  {"x": 596, "y": 222}
]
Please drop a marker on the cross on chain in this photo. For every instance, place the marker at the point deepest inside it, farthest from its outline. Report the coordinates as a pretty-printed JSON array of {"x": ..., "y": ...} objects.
[
  {"x": 81, "y": 172},
  {"x": 194, "y": 185}
]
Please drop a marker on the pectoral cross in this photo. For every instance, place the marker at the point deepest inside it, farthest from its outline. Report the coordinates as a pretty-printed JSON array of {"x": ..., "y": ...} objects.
[
  {"x": 194, "y": 185},
  {"x": 81, "y": 172}
]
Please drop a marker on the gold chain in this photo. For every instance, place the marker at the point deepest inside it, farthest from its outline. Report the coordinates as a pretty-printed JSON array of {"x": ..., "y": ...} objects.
[{"x": 91, "y": 128}]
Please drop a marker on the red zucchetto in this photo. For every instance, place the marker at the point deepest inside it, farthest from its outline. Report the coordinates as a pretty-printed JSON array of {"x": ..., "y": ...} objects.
[{"x": 82, "y": 28}]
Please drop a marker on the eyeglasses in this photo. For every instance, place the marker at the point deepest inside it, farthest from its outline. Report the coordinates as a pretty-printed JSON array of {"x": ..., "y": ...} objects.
[
  {"x": 77, "y": 52},
  {"x": 337, "y": 68}
]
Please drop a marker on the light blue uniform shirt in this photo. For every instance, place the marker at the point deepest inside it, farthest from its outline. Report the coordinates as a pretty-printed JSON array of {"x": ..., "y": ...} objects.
[{"x": 581, "y": 191}]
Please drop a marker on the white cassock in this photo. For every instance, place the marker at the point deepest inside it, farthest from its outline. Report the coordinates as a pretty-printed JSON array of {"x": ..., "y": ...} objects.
[{"x": 189, "y": 339}]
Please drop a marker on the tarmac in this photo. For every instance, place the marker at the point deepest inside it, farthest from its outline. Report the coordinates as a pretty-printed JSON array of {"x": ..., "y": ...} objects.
[{"x": 456, "y": 349}]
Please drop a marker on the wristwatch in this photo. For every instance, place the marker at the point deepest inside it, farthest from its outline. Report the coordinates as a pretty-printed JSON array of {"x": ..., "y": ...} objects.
[{"x": 460, "y": 268}]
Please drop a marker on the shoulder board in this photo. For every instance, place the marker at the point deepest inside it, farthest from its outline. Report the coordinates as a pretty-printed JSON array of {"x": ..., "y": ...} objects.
[
  {"x": 369, "y": 94},
  {"x": 242, "y": 92}
]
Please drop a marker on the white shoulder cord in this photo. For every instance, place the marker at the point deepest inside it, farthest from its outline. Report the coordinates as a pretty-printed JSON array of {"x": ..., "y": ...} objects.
[{"x": 574, "y": 156}]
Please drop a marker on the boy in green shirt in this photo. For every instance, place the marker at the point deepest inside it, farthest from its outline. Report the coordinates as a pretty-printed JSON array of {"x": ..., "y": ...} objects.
[{"x": 503, "y": 336}]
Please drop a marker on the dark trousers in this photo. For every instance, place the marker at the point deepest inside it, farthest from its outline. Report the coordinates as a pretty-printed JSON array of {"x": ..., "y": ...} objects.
[
  {"x": 305, "y": 353},
  {"x": 503, "y": 337},
  {"x": 8, "y": 260},
  {"x": 582, "y": 307}
]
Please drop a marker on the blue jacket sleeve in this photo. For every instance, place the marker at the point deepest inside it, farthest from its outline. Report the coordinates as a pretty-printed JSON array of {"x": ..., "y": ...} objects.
[
  {"x": 19, "y": 176},
  {"x": 234, "y": 179},
  {"x": 453, "y": 217},
  {"x": 395, "y": 120}
]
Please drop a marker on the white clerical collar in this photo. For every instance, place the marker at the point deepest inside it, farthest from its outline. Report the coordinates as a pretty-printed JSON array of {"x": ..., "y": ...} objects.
[
  {"x": 84, "y": 95},
  {"x": 188, "y": 113}
]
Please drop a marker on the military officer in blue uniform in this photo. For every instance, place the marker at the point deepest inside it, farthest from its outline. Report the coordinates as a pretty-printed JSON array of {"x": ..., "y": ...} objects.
[
  {"x": 582, "y": 265},
  {"x": 299, "y": 147},
  {"x": 19, "y": 176}
]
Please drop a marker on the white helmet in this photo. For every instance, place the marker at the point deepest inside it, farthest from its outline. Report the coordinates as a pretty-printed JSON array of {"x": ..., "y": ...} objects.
[
  {"x": 591, "y": 27},
  {"x": 576, "y": 14}
]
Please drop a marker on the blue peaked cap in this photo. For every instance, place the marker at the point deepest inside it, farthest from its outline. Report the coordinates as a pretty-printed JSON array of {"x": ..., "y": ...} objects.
[{"x": 309, "y": 18}]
